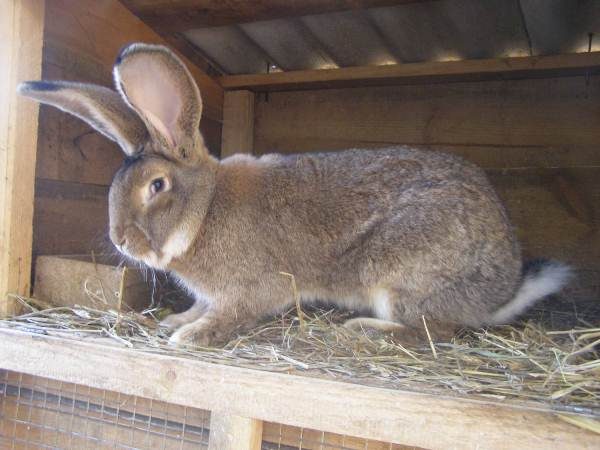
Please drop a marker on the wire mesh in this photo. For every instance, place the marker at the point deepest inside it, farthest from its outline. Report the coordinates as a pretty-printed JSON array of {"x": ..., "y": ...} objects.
[
  {"x": 285, "y": 437},
  {"x": 38, "y": 413}
]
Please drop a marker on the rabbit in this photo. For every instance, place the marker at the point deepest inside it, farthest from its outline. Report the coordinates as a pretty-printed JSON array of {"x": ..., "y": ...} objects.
[{"x": 405, "y": 233}]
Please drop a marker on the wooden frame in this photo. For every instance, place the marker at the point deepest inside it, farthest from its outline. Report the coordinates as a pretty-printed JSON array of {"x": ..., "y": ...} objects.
[
  {"x": 240, "y": 399},
  {"x": 21, "y": 40},
  {"x": 397, "y": 416},
  {"x": 426, "y": 72}
]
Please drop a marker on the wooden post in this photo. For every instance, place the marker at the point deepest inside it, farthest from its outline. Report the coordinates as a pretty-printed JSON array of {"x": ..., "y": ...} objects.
[
  {"x": 21, "y": 40},
  {"x": 229, "y": 432},
  {"x": 238, "y": 123}
]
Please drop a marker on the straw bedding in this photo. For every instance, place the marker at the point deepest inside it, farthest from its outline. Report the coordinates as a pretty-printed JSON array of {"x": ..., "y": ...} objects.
[{"x": 558, "y": 369}]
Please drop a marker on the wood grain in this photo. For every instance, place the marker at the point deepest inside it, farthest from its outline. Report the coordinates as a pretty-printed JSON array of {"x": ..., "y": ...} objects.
[
  {"x": 98, "y": 29},
  {"x": 228, "y": 432},
  {"x": 21, "y": 33},
  {"x": 429, "y": 421},
  {"x": 422, "y": 72},
  {"x": 536, "y": 112},
  {"x": 70, "y": 218},
  {"x": 238, "y": 123}
]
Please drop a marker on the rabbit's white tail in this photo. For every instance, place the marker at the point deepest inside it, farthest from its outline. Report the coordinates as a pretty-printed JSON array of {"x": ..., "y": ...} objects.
[{"x": 546, "y": 278}]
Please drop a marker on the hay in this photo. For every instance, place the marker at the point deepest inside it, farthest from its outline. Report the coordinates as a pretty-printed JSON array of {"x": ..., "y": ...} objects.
[{"x": 558, "y": 370}]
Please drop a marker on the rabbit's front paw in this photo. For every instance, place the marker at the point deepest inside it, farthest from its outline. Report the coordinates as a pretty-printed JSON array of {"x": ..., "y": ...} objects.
[
  {"x": 174, "y": 321},
  {"x": 201, "y": 333}
]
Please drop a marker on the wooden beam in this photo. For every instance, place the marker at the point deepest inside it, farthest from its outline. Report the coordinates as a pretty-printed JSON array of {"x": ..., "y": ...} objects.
[
  {"x": 238, "y": 123},
  {"x": 21, "y": 40},
  {"x": 396, "y": 416},
  {"x": 425, "y": 72},
  {"x": 229, "y": 432},
  {"x": 169, "y": 16},
  {"x": 98, "y": 29}
]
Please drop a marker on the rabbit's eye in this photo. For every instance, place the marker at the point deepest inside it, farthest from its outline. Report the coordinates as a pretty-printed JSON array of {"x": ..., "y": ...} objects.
[{"x": 157, "y": 185}]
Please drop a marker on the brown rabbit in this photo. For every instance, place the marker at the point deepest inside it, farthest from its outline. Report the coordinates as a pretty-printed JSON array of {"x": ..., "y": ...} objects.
[{"x": 405, "y": 233}]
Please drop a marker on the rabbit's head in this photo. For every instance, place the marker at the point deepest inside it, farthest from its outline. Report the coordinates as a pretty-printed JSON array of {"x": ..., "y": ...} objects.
[{"x": 160, "y": 195}]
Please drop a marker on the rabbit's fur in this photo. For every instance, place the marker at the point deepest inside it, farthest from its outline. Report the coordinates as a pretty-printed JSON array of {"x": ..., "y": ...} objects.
[{"x": 405, "y": 233}]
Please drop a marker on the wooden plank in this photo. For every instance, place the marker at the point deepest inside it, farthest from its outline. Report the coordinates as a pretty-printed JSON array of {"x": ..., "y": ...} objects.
[
  {"x": 98, "y": 29},
  {"x": 70, "y": 218},
  {"x": 422, "y": 72},
  {"x": 228, "y": 432},
  {"x": 542, "y": 112},
  {"x": 177, "y": 15},
  {"x": 21, "y": 33},
  {"x": 70, "y": 150},
  {"x": 91, "y": 282},
  {"x": 238, "y": 123},
  {"x": 429, "y": 421}
]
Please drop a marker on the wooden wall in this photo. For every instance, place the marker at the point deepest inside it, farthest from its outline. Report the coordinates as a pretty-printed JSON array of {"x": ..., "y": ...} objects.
[
  {"x": 538, "y": 140},
  {"x": 75, "y": 164}
]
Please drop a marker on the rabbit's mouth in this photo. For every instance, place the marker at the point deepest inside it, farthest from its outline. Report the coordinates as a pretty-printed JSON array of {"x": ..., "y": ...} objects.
[
  {"x": 134, "y": 244},
  {"x": 152, "y": 259},
  {"x": 137, "y": 245},
  {"x": 148, "y": 257}
]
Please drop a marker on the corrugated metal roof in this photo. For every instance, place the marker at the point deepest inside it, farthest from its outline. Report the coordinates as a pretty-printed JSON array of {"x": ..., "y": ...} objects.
[
  {"x": 453, "y": 29},
  {"x": 289, "y": 44},
  {"x": 350, "y": 38},
  {"x": 415, "y": 32},
  {"x": 562, "y": 26}
]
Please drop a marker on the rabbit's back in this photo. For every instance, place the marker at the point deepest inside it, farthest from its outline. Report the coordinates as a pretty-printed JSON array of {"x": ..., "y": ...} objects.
[{"x": 408, "y": 221}]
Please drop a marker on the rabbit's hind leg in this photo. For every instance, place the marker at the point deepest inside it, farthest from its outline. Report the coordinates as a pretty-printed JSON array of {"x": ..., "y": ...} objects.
[
  {"x": 382, "y": 308},
  {"x": 392, "y": 316},
  {"x": 364, "y": 323}
]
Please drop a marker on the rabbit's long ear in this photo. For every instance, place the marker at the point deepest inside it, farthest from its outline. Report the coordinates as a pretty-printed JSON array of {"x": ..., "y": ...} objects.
[
  {"x": 100, "y": 107},
  {"x": 160, "y": 88}
]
